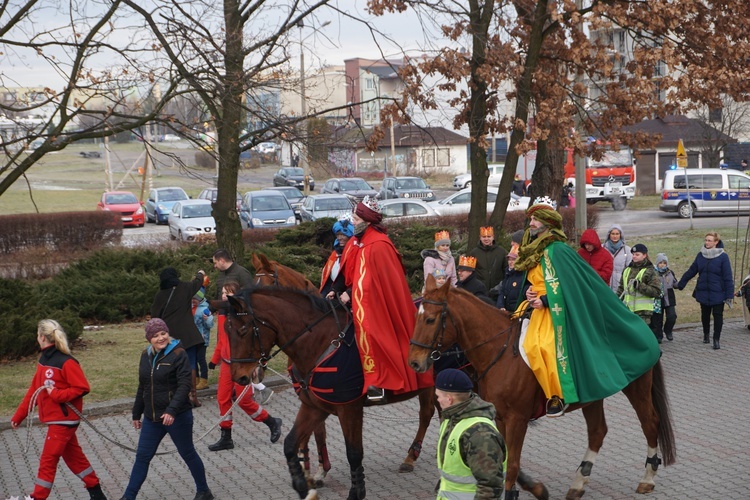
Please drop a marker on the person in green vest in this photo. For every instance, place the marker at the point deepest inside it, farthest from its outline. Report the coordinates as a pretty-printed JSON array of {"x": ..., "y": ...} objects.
[
  {"x": 640, "y": 285},
  {"x": 470, "y": 451}
]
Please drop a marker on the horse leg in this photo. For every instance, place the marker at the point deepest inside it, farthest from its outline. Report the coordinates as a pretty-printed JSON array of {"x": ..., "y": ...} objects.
[
  {"x": 515, "y": 433},
  {"x": 324, "y": 465},
  {"x": 639, "y": 395},
  {"x": 350, "y": 418},
  {"x": 426, "y": 411},
  {"x": 596, "y": 426},
  {"x": 308, "y": 418}
]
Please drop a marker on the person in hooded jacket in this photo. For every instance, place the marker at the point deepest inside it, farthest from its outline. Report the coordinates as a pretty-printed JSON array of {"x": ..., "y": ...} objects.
[
  {"x": 592, "y": 252},
  {"x": 343, "y": 230},
  {"x": 467, "y": 279},
  {"x": 715, "y": 285},
  {"x": 621, "y": 256},
  {"x": 174, "y": 304},
  {"x": 162, "y": 407},
  {"x": 440, "y": 258},
  {"x": 512, "y": 290},
  {"x": 659, "y": 325},
  {"x": 490, "y": 259}
]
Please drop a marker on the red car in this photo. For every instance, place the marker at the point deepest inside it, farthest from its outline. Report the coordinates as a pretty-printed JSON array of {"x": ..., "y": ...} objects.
[{"x": 127, "y": 204}]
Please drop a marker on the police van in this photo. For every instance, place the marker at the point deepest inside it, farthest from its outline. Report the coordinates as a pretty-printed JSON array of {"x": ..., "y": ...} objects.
[{"x": 709, "y": 190}]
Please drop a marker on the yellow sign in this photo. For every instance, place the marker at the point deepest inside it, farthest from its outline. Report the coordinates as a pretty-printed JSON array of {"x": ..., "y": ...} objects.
[{"x": 682, "y": 158}]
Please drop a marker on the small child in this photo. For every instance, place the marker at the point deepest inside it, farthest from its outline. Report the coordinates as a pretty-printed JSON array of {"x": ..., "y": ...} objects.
[
  {"x": 440, "y": 277},
  {"x": 62, "y": 386},
  {"x": 659, "y": 326},
  {"x": 204, "y": 320},
  {"x": 440, "y": 257}
]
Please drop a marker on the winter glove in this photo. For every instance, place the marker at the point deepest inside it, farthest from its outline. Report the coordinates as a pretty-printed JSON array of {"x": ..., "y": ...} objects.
[{"x": 211, "y": 366}]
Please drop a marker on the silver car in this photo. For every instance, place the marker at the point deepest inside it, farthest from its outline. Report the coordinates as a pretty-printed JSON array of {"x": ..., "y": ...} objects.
[
  {"x": 191, "y": 218},
  {"x": 325, "y": 205}
]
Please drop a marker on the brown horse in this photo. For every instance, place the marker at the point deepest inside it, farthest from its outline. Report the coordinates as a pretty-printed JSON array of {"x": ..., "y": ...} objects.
[
  {"x": 271, "y": 273},
  {"x": 304, "y": 326},
  {"x": 490, "y": 339}
]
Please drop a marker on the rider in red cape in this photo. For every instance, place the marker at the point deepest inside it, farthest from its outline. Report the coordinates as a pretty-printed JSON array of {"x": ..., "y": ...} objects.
[{"x": 381, "y": 304}]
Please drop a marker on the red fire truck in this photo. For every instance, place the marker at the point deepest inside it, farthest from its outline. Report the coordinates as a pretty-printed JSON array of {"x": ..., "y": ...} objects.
[{"x": 610, "y": 179}]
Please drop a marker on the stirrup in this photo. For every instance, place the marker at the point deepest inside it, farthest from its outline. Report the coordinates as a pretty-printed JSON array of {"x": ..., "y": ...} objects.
[
  {"x": 375, "y": 394},
  {"x": 557, "y": 402}
]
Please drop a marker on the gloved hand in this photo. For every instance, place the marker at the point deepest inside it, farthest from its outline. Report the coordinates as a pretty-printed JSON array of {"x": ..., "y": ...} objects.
[{"x": 211, "y": 366}]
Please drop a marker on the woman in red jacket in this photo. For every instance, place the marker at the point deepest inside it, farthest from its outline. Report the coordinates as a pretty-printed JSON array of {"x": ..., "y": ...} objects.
[
  {"x": 597, "y": 256},
  {"x": 64, "y": 387}
]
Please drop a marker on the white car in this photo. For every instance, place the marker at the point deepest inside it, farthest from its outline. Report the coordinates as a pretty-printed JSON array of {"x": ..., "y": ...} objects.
[
  {"x": 189, "y": 219},
  {"x": 463, "y": 181},
  {"x": 171, "y": 138},
  {"x": 460, "y": 202},
  {"x": 405, "y": 208},
  {"x": 266, "y": 148}
]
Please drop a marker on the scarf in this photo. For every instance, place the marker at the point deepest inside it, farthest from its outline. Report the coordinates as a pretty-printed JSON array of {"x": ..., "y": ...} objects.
[
  {"x": 711, "y": 253},
  {"x": 531, "y": 250},
  {"x": 612, "y": 246},
  {"x": 445, "y": 256}
]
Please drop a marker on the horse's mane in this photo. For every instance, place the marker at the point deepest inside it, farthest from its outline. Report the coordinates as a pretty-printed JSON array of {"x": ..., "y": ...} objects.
[{"x": 319, "y": 303}]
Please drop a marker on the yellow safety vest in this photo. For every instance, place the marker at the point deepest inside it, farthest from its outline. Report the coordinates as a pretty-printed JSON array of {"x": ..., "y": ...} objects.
[
  {"x": 456, "y": 480},
  {"x": 634, "y": 300}
]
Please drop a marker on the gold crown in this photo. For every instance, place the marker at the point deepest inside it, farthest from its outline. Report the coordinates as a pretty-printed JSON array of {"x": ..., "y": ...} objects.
[
  {"x": 486, "y": 231},
  {"x": 442, "y": 235},
  {"x": 467, "y": 261}
]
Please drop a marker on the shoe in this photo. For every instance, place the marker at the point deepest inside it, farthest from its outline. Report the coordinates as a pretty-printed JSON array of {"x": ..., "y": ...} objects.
[
  {"x": 224, "y": 443},
  {"x": 375, "y": 394},
  {"x": 263, "y": 396},
  {"x": 660, "y": 340},
  {"x": 705, "y": 339},
  {"x": 204, "y": 495},
  {"x": 96, "y": 493},
  {"x": 202, "y": 384},
  {"x": 275, "y": 425},
  {"x": 556, "y": 407},
  {"x": 716, "y": 345},
  {"x": 670, "y": 337}
]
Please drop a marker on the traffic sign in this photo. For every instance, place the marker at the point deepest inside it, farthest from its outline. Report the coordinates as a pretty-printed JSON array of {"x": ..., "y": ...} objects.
[{"x": 682, "y": 158}]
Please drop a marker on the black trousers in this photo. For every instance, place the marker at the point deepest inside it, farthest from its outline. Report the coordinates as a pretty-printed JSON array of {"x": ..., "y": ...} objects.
[
  {"x": 718, "y": 313},
  {"x": 663, "y": 322}
]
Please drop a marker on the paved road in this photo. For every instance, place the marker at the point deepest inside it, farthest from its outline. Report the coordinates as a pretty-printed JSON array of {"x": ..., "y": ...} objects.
[{"x": 707, "y": 388}]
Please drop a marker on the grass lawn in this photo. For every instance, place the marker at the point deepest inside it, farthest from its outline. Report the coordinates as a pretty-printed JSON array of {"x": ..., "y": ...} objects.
[{"x": 109, "y": 357}]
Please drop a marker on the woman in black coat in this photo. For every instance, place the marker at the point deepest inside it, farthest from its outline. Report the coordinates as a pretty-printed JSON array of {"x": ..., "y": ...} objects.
[{"x": 173, "y": 304}]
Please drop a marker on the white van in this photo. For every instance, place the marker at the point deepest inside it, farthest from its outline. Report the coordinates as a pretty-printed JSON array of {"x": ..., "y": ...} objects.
[{"x": 710, "y": 190}]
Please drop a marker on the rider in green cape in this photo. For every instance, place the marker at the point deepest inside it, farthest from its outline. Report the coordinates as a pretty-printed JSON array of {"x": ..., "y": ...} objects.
[{"x": 582, "y": 342}]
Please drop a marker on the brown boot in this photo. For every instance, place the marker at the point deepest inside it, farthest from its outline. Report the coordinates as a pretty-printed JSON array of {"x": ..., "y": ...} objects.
[
  {"x": 202, "y": 384},
  {"x": 193, "y": 396}
]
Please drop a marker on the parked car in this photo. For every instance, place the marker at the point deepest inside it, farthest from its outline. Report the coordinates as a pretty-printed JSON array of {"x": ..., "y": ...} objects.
[
  {"x": 210, "y": 194},
  {"x": 460, "y": 202},
  {"x": 355, "y": 188},
  {"x": 266, "y": 208},
  {"x": 708, "y": 189},
  {"x": 406, "y": 187},
  {"x": 191, "y": 218},
  {"x": 266, "y": 148},
  {"x": 294, "y": 196},
  {"x": 125, "y": 202},
  {"x": 463, "y": 181},
  {"x": 171, "y": 138},
  {"x": 160, "y": 202},
  {"x": 403, "y": 208},
  {"x": 325, "y": 205},
  {"x": 292, "y": 176}
]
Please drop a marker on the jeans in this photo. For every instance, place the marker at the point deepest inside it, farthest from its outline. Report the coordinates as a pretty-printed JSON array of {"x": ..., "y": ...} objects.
[
  {"x": 718, "y": 313},
  {"x": 200, "y": 359},
  {"x": 192, "y": 354},
  {"x": 152, "y": 433}
]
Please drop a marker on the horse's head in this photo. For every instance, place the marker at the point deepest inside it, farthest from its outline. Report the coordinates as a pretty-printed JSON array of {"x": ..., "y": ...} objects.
[
  {"x": 434, "y": 330},
  {"x": 250, "y": 338},
  {"x": 271, "y": 273}
]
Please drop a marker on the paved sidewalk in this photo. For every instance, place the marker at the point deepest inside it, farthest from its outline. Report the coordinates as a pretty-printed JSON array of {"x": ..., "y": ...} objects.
[{"x": 707, "y": 388}]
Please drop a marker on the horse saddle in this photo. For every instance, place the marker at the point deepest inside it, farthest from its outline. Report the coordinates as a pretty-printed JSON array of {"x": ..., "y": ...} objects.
[{"x": 337, "y": 377}]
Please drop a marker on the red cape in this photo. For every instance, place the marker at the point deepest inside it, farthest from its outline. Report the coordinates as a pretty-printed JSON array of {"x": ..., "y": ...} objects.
[{"x": 384, "y": 313}]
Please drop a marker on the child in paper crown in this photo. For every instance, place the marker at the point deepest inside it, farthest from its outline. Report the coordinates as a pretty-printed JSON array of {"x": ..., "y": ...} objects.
[
  {"x": 440, "y": 277},
  {"x": 440, "y": 258},
  {"x": 659, "y": 326},
  {"x": 204, "y": 320}
]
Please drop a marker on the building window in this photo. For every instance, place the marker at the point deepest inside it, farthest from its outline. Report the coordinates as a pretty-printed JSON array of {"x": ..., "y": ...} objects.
[
  {"x": 369, "y": 84},
  {"x": 428, "y": 158},
  {"x": 443, "y": 157}
]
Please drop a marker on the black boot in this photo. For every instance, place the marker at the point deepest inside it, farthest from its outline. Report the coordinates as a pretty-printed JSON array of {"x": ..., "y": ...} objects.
[
  {"x": 224, "y": 443},
  {"x": 96, "y": 493},
  {"x": 716, "y": 344},
  {"x": 705, "y": 339},
  {"x": 204, "y": 495},
  {"x": 275, "y": 425}
]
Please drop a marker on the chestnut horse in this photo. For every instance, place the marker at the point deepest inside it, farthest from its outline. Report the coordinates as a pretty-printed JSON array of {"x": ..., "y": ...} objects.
[
  {"x": 303, "y": 326},
  {"x": 271, "y": 273},
  {"x": 448, "y": 315}
]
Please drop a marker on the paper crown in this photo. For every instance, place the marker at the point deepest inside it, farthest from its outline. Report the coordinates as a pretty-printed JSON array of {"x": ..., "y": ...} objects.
[
  {"x": 467, "y": 261},
  {"x": 486, "y": 231},
  {"x": 513, "y": 250},
  {"x": 371, "y": 203},
  {"x": 442, "y": 235},
  {"x": 545, "y": 200}
]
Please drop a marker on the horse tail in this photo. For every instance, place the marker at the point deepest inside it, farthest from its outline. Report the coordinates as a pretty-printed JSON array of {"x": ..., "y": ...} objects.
[{"x": 661, "y": 404}]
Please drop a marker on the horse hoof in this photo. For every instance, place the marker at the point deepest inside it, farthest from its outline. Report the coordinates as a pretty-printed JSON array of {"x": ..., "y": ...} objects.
[
  {"x": 644, "y": 488},
  {"x": 312, "y": 495},
  {"x": 406, "y": 467},
  {"x": 540, "y": 491},
  {"x": 573, "y": 494},
  {"x": 319, "y": 483}
]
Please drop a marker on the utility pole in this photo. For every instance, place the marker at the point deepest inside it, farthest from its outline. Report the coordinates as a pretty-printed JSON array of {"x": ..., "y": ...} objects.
[
  {"x": 304, "y": 162},
  {"x": 580, "y": 162}
]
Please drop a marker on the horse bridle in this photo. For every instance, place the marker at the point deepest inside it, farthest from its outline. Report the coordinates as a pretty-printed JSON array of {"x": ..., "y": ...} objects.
[
  {"x": 437, "y": 339},
  {"x": 275, "y": 275}
]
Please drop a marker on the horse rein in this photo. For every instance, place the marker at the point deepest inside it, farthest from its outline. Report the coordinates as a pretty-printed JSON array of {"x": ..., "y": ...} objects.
[
  {"x": 437, "y": 340},
  {"x": 274, "y": 274}
]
